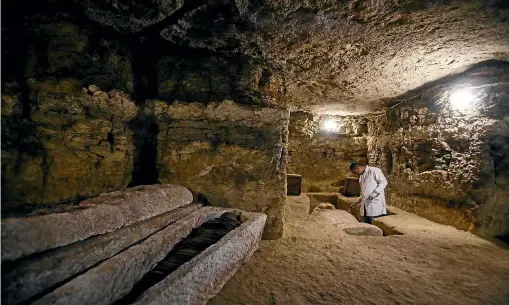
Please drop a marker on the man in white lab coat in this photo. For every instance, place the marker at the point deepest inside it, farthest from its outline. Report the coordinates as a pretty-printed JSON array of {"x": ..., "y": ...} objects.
[{"x": 372, "y": 199}]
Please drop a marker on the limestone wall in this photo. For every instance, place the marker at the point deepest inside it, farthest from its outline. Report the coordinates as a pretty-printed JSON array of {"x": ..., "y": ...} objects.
[
  {"x": 323, "y": 158},
  {"x": 444, "y": 163},
  {"x": 68, "y": 144},
  {"x": 62, "y": 143},
  {"x": 235, "y": 155},
  {"x": 449, "y": 165}
]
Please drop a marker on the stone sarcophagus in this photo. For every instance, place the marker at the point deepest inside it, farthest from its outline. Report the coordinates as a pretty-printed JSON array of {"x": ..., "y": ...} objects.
[
  {"x": 352, "y": 187},
  {"x": 144, "y": 245}
]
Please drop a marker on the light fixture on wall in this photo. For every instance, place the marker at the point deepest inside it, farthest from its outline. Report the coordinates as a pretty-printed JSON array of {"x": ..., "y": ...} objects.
[
  {"x": 461, "y": 99},
  {"x": 330, "y": 125}
]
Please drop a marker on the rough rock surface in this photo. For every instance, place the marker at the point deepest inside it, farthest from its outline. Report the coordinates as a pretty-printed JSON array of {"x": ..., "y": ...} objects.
[
  {"x": 450, "y": 165},
  {"x": 24, "y": 279},
  {"x": 196, "y": 282},
  {"x": 205, "y": 78},
  {"x": 323, "y": 157},
  {"x": 345, "y": 56},
  {"x": 443, "y": 162},
  {"x": 335, "y": 56},
  {"x": 235, "y": 155},
  {"x": 116, "y": 276},
  {"x": 106, "y": 213},
  {"x": 69, "y": 144}
]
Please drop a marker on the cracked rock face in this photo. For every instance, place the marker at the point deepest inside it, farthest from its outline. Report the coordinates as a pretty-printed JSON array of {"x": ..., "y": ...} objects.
[
  {"x": 76, "y": 144},
  {"x": 322, "y": 157},
  {"x": 448, "y": 164},
  {"x": 335, "y": 57},
  {"x": 344, "y": 56},
  {"x": 235, "y": 155}
]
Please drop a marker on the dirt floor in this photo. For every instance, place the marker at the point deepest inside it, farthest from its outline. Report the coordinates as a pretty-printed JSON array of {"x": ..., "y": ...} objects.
[{"x": 318, "y": 263}]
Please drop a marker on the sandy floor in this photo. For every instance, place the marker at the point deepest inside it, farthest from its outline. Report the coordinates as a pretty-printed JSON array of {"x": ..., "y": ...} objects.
[{"x": 317, "y": 263}]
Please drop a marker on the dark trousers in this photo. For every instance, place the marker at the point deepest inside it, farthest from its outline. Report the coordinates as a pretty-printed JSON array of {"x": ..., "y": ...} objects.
[{"x": 367, "y": 219}]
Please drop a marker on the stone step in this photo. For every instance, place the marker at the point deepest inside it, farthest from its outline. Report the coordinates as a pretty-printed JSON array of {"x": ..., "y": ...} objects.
[
  {"x": 22, "y": 236},
  {"x": 34, "y": 275}
]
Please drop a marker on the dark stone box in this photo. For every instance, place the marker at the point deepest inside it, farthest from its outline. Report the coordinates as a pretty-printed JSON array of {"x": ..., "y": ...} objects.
[{"x": 293, "y": 184}]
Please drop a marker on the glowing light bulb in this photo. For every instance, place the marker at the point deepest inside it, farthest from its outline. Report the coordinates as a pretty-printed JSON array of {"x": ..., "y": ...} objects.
[
  {"x": 461, "y": 99},
  {"x": 330, "y": 125}
]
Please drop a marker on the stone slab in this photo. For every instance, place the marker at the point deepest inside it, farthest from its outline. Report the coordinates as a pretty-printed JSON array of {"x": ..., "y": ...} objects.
[
  {"x": 200, "y": 279},
  {"x": 145, "y": 201},
  {"x": 349, "y": 224},
  {"x": 352, "y": 187},
  {"x": 36, "y": 274},
  {"x": 115, "y": 277},
  {"x": 27, "y": 235}
]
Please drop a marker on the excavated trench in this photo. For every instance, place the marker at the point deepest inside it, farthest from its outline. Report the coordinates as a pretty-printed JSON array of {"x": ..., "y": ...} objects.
[{"x": 342, "y": 204}]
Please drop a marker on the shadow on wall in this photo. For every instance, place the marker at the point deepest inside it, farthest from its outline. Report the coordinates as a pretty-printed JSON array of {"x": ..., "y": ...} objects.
[{"x": 145, "y": 131}]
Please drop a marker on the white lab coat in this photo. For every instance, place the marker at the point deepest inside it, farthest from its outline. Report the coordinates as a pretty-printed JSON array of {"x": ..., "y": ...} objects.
[{"x": 373, "y": 180}]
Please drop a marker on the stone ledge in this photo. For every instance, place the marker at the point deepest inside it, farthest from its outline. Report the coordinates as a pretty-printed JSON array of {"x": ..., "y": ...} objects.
[{"x": 106, "y": 213}]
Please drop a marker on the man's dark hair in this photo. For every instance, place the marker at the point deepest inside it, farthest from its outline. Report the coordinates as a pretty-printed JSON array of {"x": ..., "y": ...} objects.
[{"x": 354, "y": 165}]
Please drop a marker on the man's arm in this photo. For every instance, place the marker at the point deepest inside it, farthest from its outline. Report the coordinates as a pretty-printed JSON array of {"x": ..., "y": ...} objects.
[
  {"x": 357, "y": 202},
  {"x": 382, "y": 183}
]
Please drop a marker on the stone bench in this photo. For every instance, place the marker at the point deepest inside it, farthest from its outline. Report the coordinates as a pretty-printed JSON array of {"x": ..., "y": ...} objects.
[{"x": 100, "y": 261}]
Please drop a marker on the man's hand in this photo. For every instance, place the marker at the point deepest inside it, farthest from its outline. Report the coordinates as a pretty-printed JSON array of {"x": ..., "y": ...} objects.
[
  {"x": 372, "y": 196},
  {"x": 357, "y": 202}
]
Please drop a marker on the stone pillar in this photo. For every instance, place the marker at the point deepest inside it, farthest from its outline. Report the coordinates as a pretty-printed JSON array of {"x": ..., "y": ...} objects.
[{"x": 235, "y": 155}]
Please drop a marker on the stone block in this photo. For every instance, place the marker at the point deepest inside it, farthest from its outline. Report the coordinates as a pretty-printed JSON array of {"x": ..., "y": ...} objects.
[
  {"x": 105, "y": 213},
  {"x": 233, "y": 154},
  {"x": 352, "y": 187}
]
